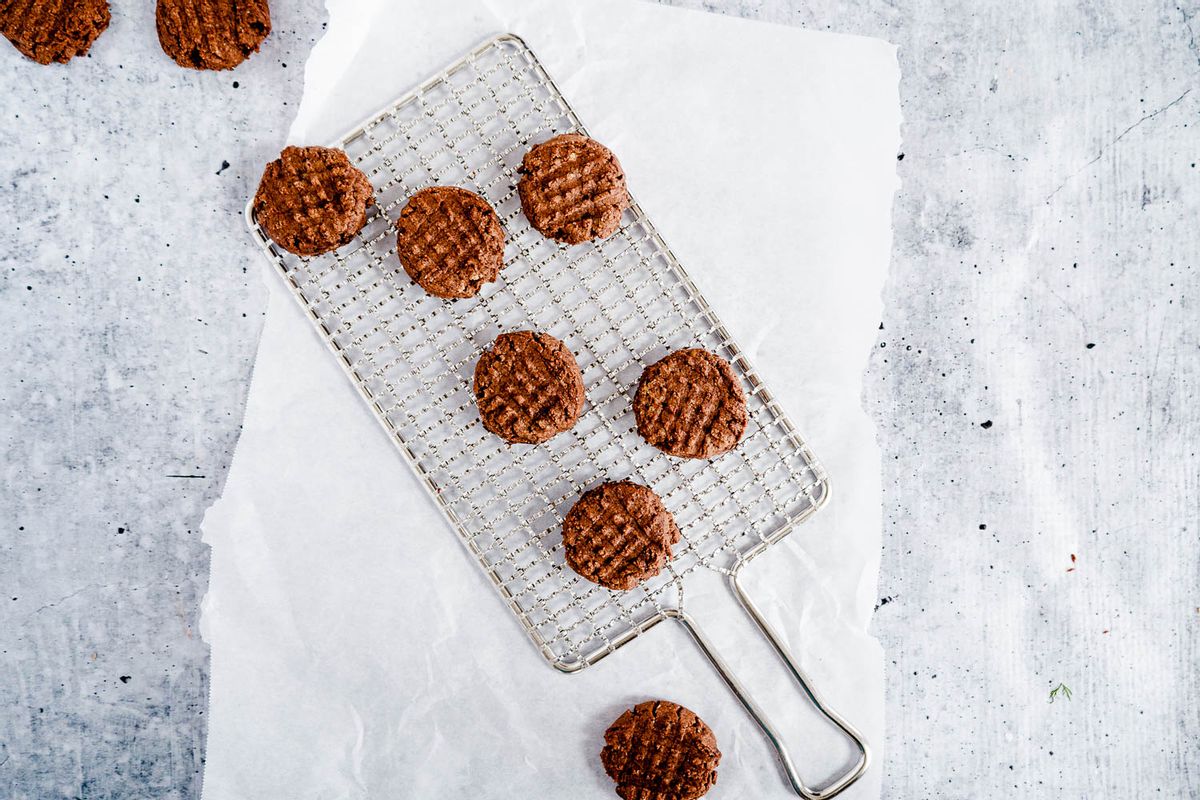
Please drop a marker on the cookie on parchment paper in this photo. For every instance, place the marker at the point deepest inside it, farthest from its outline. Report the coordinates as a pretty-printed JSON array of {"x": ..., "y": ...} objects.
[
  {"x": 312, "y": 200},
  {"x": 572, "y": 189},
  {"x": 450, "y": 241},
  {"x": 691, "y": 405},
  {"x": 659, "y": 750},
  {"x": 619, "y": 534},
  {"x": 53, "y": 30},
  {"x": 528, "y": 387},
  {"x": 211, "y": 34}
]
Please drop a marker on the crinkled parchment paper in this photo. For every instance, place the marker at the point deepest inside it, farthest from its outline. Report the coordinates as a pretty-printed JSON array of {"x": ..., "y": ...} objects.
[{"x": 357, "y": 649}]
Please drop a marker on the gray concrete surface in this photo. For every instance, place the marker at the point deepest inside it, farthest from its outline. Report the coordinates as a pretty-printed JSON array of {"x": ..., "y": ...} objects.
[
  {"x": 1034, "y": 387},
  {"x": 132, "y": 327}
]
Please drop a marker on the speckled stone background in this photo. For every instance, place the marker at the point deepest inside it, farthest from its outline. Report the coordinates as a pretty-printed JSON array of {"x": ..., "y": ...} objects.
[{"x": 1035, "y": 388}]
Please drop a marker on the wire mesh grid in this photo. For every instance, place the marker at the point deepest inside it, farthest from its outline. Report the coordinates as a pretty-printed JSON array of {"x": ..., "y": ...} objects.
[{"x": 619, "y": 304}]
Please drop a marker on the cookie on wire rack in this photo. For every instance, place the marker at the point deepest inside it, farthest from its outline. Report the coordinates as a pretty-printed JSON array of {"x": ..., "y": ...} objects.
[
  {"x": 572, "y": 189},
  {"x": 528, "y": 387},
  {"x": 211, "y": 34},
  {"x": 450, "y": 241},
  {"x": 659, "y": 750},
  {"x": 53, "y": 30},
  {"x": 619, "y": 534},
  {"x": 691, "y": 405},
  {"x": 312, "y": 200}
]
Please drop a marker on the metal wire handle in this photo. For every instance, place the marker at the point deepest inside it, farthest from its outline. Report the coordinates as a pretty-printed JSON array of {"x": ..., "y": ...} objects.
[{"x": 837, "y": 785}]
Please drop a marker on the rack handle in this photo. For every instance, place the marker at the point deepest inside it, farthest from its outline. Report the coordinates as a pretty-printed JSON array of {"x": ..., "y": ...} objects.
[{"x": 834, "y": 787}]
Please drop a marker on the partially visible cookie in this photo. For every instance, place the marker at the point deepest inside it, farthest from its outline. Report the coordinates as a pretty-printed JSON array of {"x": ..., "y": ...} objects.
[
  {"x": 659, "y": 750},
  {"x": 619, "y": 534},
  {"x": 528, "y": 387},
  {"x": 212, "y": 34},
  {"x": 691, "y": 405},
  {"x": 450, "y": 241},
  {"x": 573, "y": 189},
  {"x": 53, "y": 30},
  {"x": 312, "y": 200}
]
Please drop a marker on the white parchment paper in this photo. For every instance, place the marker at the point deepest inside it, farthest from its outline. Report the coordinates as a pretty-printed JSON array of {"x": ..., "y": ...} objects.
[{"x": 357, "y": 649}]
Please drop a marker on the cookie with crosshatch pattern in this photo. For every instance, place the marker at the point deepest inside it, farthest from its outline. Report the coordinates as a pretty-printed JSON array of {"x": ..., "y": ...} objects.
[
  {"x": 659, "y": 750},
  {"x": 53, "y": 30},
  {"x": 572, "y": 189},
  {"x": 211, "y": 34},
  {"x": 691, "y": 405},
  {"x": 619, "y": 534},
  {"x": 528, "y": 387},
  {"x": 450, "y": 241},
  {"x": 312, "y": 200}
]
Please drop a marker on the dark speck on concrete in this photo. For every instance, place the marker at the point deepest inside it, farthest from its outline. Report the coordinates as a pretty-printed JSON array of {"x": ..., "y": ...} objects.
[
  {"x": 224, "y": 166},
  {"x": 982, "y": 526},
  {"x": 962, "y": 237},
  {"x": 900, "y": 157},
  {"x": 1090, "y": 345},
  {"x": 236, "y": 84},
  {"x": 986, "y": 424},
  {"x": 126, "y": 678}
]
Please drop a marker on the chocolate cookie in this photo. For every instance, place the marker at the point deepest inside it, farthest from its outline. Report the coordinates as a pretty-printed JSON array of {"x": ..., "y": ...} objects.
[
  {"x": 212, "y": 34},
  {"x": 573, "y": 189},
  {"x": 619, "y": 534},
  {"x": 53, "y": 30},
  {"x": 450, "y": 241},
  {"x": 312, "y": 200},
  {"x": 691, "y": 405},
  {"x": 659, "y": 750},
  {"x": 528, "y": 387}
]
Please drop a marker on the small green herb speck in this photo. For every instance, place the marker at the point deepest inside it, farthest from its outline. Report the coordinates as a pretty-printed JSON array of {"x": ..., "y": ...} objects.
[{"x": 1062, "y": 689}]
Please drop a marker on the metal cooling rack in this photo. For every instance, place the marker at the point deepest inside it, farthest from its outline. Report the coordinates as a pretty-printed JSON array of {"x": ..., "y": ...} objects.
[{"x": 619, "y": 305}]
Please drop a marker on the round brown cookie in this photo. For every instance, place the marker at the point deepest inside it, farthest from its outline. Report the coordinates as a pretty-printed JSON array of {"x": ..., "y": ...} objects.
[
  {"x": 691, "y": 405},
  {"x": 450, "y": 241},
  {"x": 53, "y": 30},
  {"x": 619, "y": 534},
  {"x": 573, "y": 189},
  {"x": 528, "y": 387},
  {"x": 212, "y": 34},
  {"x": 659, "y": 750},
  {"x": 312, "y": 200}
]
